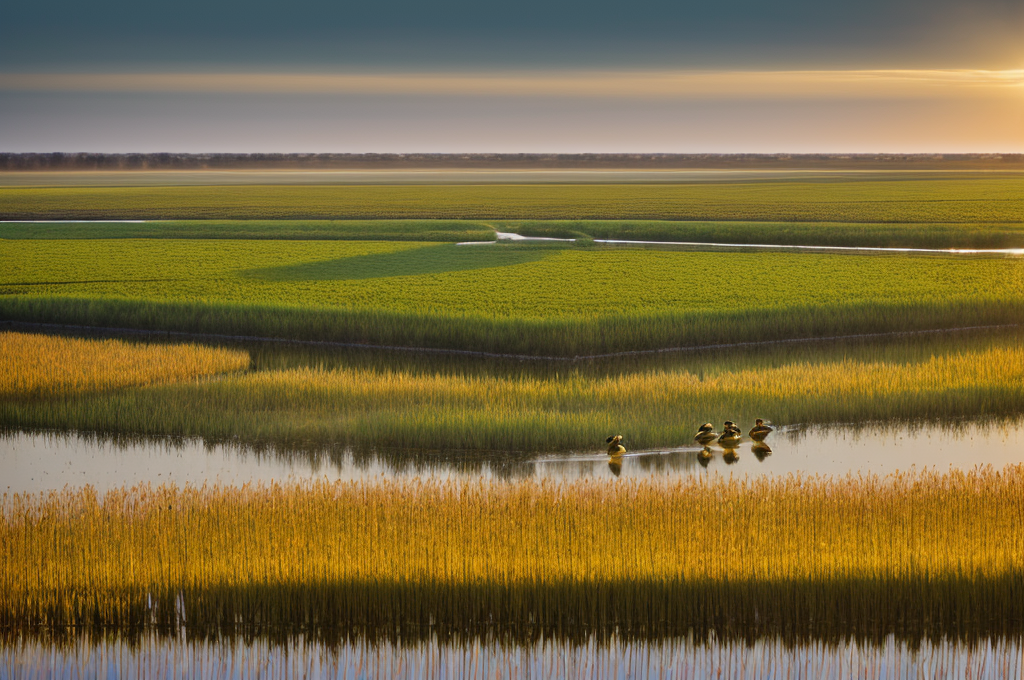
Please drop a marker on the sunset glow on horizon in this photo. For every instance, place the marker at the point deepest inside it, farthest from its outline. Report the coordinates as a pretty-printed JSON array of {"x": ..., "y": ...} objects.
[{"x": 569, "y": 76}]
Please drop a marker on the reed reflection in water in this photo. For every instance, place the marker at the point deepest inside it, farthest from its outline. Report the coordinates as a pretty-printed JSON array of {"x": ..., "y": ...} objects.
[{"x": 161, "y": 657}]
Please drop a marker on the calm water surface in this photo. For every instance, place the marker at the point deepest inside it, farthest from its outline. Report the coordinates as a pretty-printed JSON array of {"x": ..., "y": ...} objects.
[{"x": 34, "y": 462}]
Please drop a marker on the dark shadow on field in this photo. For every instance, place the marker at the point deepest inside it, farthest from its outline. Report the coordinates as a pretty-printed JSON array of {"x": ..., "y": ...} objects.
[{"x": 426, "y": 260}]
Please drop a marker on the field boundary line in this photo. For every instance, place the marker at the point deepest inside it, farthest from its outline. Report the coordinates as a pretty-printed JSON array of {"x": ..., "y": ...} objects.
[{"x": 104, "y": 330}]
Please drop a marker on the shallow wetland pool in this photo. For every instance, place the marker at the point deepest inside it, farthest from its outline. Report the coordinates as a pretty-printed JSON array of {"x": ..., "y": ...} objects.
[{"x": 36, "y": 462}]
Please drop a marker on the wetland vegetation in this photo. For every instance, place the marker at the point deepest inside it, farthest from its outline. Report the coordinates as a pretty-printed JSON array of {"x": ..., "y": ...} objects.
[
  {"x": 920, "y": 555},
  {"x": 570, "y": 411},
  {"x": 38, "y": 366},
  {"x": 910, "y": 556},
  {"x": 448, "y": 405}
]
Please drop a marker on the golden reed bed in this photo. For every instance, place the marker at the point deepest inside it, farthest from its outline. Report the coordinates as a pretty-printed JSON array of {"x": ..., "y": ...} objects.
[
  {"x": 912, "y": 555},
  {"x": 48, "y": 366}
]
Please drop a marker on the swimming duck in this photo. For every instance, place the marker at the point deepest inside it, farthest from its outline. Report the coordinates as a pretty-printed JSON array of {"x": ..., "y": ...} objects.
[
  {"x": 614, "y": 447},
  {"x": 706, "y": 434},
  {"x": 760, "y": 450},
  {"x": 730, "y": 434},
  {"x": 760, "y": 430}
]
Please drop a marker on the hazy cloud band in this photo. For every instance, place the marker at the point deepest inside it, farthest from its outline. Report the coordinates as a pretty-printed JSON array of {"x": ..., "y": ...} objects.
[{"x": 610, "y": 84}]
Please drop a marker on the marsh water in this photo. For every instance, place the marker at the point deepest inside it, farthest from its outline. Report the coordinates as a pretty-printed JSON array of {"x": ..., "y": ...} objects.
[
  {"x": 40, "y": 461},
  {"x": 154, "y": 657}
]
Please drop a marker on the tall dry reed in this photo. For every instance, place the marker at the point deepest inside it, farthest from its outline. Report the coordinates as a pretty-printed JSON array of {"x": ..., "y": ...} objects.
[
  {"x": 933, "y": 553},
  {"x": 40, "y": 366}
]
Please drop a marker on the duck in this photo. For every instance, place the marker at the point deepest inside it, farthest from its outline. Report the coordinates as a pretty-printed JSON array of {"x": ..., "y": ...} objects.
[
  {"x": 730, "y": 434},
  {"x": 760, "y": 430},
  {"x": 615, "y": 448},
  {"x": 706, "y": 434},
  {"x": 760, "y": 450}
]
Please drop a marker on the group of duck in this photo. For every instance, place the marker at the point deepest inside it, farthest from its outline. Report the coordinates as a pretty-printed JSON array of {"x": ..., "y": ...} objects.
[
  {"x": 729, "y": 439},
  {"x": 731, "y": 433}
]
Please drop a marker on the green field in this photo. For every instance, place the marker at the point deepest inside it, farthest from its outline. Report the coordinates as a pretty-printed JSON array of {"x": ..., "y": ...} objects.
[
  {"x": 323, "y": 230},
  {"x": 981, "y": 200},
  {"x": 500, "y": 298}
]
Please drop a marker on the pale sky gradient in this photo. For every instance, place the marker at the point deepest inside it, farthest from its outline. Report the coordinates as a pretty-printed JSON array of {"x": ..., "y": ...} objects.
[
  {"x": 908, "y": 111},
  {"x": 530, "y": 76}
]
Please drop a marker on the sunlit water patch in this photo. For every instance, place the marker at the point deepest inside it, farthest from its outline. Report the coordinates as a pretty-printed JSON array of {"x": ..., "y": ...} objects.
[
  {"x": 154, "y": 657},
  {"x": 35, "y": 462}
]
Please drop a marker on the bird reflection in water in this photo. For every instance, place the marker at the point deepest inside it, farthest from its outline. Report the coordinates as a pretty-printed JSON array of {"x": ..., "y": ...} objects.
[
  {"x": 615, "y": 451},
  {"x": 704, "y": 456},
  {"x": 760, "y": 451},
  {"x": 730, "y": 456}
]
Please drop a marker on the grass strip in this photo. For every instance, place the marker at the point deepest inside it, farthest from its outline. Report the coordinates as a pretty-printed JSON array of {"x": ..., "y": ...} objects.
[
  {"x": 538, "y": 337},
  {"x": 326, "y": 230},
  {"x": 886, "y": 235}
]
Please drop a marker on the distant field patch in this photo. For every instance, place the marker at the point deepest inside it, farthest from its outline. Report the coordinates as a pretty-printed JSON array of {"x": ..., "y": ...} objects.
[
  {"x": 927, "y": 201},
  {"x": 351, "y": 230},
  {"x": 37, "y": 366}
]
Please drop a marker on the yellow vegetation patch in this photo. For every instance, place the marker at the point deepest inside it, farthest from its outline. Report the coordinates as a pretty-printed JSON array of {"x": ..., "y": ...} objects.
[
  {"x": 73, "y": 550},
  {"x": 47, "y": 366}
]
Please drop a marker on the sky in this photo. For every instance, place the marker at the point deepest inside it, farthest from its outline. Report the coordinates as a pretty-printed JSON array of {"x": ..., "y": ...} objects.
[{"x": 530, "y": 76}]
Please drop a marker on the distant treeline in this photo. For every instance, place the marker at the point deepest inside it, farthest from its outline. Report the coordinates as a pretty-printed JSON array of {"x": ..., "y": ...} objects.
[{"x": 222, "y": 161}]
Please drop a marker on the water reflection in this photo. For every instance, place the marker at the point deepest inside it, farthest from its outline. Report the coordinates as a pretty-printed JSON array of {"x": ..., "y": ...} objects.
[
  {"x": 154, "y": 657},
  {"x": 39, "y": 461},
  {"x": 760, "y": 450}
]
